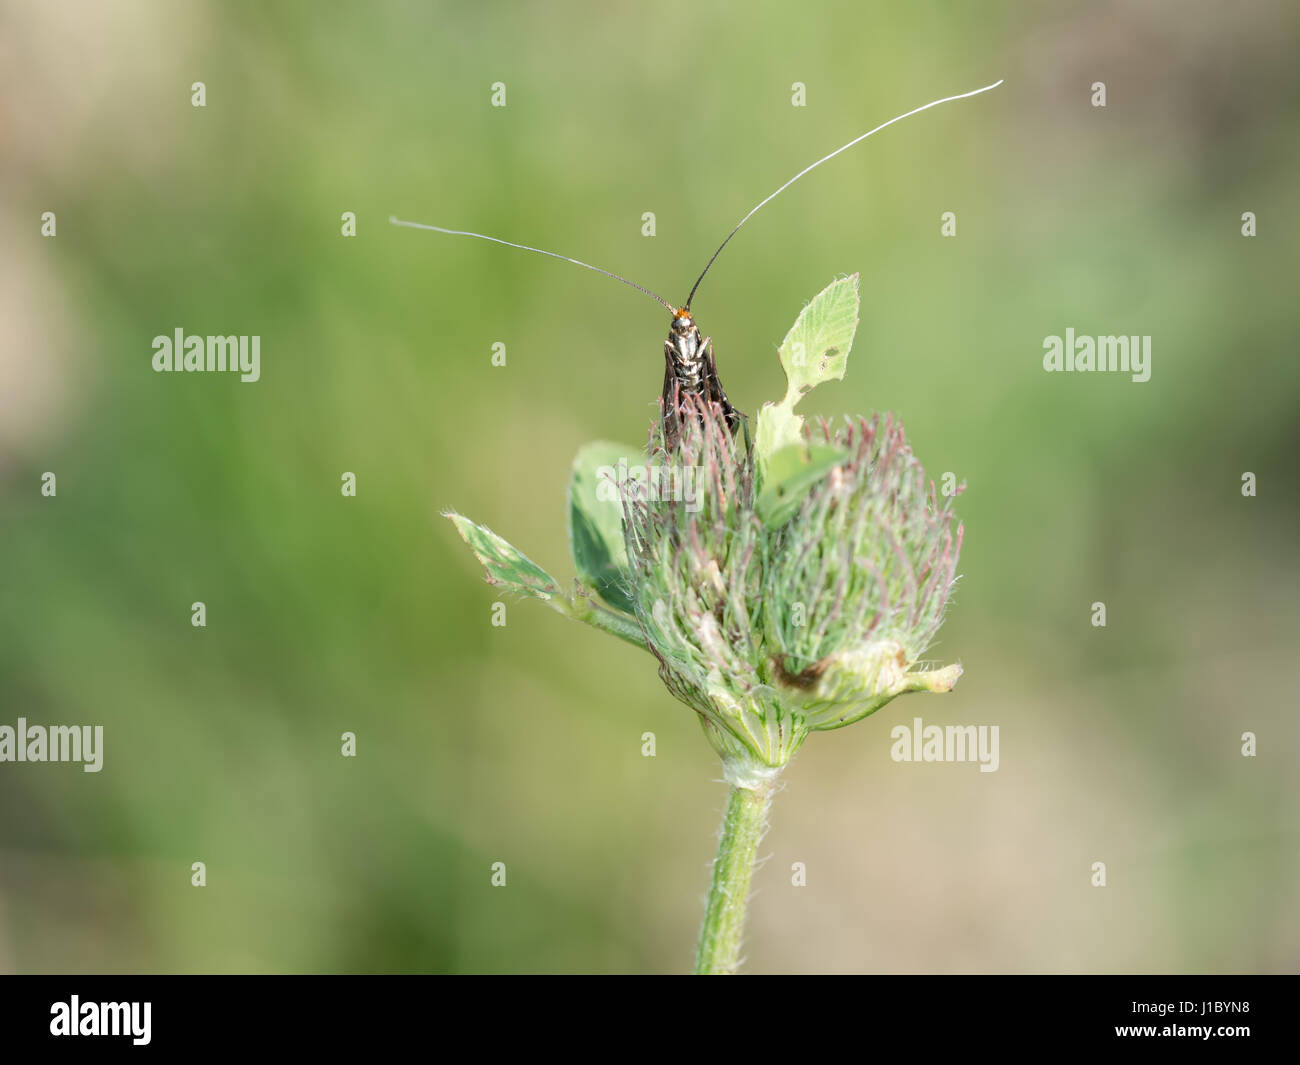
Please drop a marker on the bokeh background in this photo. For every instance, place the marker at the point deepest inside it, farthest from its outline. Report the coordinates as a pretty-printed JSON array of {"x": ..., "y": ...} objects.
[{"x": 522, "y": 744}]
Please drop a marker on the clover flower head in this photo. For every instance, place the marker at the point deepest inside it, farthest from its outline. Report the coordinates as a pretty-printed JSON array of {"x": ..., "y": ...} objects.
[{"x": 775, "y": 621}]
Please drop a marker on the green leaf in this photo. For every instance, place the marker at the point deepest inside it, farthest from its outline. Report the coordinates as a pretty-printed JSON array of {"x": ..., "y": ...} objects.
[
  {"x": 778, "y": 427},
  {"x": 790, "y": 475},
  {"x": 596, "y": 520},
  {"x": 817, "y": 347},
  {"x": 815, "y": 350},
  {"x": 506, "y": 566}
]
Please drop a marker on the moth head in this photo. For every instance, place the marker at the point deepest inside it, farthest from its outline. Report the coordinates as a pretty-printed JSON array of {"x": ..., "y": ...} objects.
[{"x": 682, "y": 322}]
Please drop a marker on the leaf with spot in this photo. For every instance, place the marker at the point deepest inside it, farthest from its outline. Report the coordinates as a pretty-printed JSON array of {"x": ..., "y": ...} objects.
[
  {"x": 814, "y": 351},
  {"x": 817, "y": 347}
]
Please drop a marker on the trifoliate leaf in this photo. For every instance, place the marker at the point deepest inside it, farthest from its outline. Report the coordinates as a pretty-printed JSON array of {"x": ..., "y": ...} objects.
[{"x": 506, "y": 565}]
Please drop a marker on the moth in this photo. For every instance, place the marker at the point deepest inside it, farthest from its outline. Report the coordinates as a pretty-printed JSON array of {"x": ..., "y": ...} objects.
[{"x": 690, "y": 367}]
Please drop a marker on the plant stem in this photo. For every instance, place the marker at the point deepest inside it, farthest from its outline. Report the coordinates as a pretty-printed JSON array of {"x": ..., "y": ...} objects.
[
  {"x": 617, "y": 624},
  {"x": 743, "y": 826}
]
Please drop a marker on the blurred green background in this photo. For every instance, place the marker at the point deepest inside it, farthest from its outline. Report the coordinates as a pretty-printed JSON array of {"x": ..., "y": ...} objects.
[{"x": 522, "y": 744}]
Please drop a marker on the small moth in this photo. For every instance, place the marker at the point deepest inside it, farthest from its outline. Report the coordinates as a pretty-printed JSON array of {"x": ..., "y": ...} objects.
[{"x": 690, "y": 368}]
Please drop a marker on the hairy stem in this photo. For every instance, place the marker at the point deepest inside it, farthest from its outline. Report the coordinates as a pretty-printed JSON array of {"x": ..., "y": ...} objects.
[
  {"x": 743, "y": 826},
  {"x": 617, "y": 624}
]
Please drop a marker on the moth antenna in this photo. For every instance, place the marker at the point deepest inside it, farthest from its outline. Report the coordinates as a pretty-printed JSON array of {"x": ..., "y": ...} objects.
[
  {"x": 539, "y": 251},
  {"x": 824, "y": 159}
]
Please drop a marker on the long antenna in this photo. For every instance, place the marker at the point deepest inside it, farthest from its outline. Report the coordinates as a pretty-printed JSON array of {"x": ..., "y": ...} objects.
[
  {"x": 823, "y": 159},
  {"x": 540, "y": 251}
]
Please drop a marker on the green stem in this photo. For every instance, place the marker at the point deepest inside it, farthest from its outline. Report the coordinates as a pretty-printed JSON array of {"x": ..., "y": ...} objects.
[
  {"x": 623, "y": 626},
  {"x": 733, "y": 869}
]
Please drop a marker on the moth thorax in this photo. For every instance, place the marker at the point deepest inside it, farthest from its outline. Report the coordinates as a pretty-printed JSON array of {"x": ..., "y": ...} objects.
[{"x": 688, "y": 354}]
